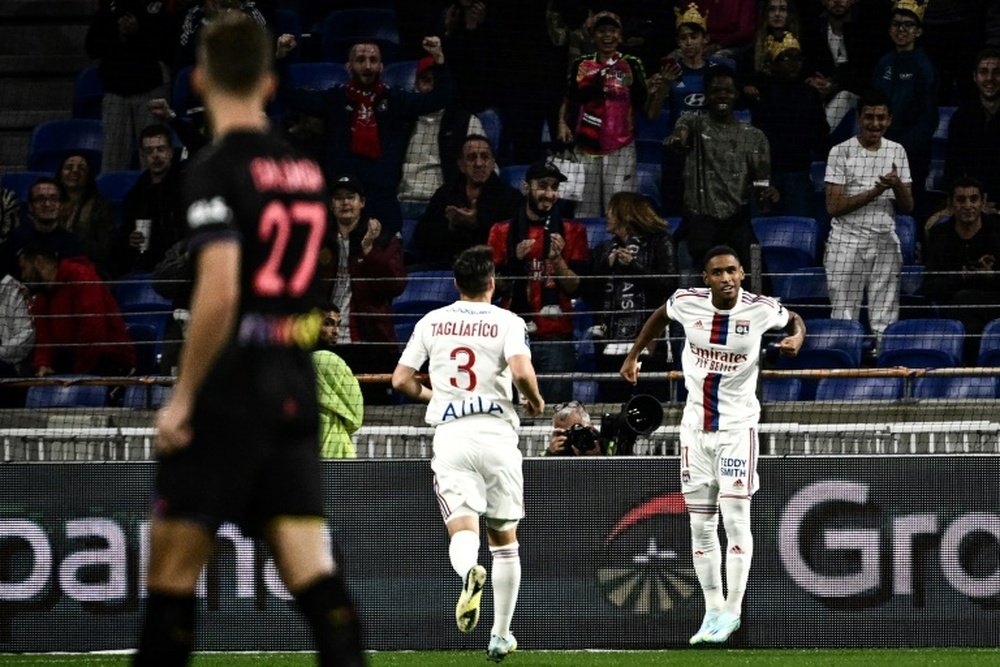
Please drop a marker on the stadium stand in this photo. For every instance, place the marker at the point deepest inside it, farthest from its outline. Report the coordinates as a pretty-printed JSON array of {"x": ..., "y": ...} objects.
[
  {"x": 859, "y": 389},
  {"x": 53, "y": 140},
  {"x": 66, "y": 396},
  {"x": 922, "y": 343}
]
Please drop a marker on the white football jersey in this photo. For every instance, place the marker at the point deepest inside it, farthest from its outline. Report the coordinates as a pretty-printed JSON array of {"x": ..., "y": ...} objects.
[
  {"x": 720, "y": 356},
  {"x": 468, "y": 344}
]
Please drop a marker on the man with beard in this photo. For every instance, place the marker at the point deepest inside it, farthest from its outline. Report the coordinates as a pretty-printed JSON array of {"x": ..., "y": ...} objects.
[
  {"x": 540, "y": 257},
  {"x": 461, "y": 212},
  {"x": 974, "y": 131},
  {"x": 728, "y": 162},
  {"x": 867, "y": 181},
  {"x": 368, "y": 123}
]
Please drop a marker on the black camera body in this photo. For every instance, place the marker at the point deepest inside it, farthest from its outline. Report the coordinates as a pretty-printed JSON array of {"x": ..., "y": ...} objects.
[
  {"x": 583, "y": 438},
  {"x": 640, "y": 415}
]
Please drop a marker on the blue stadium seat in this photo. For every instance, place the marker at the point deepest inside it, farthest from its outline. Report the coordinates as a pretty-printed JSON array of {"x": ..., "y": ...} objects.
[
  {"x": 343, "y": 28},
  {"x": 492, "y": 127},
  {"x": 922, "y": 343},
  {"x": 52, "y": 141},
  {"x": 401, "y": 75},
  {"x": 318, "y": 76},
  {"x": 426, "y": 290},
  {"x": 906, "y": 230},
  {"x": 989, "y": 345},
  {"x": 597, "y": 230},
  {"x": 70, "y": 396},
  {"x": 940, "y": 137},
  {"x": 149, "y": 397},
  {"x": 786, "y": 231},
  {"x": 911, "y": 279},
  {"x": 781, "y": 390},
  {"x": 134, "y": 292},
  {"x": 88, "y": 92},
  {"x": 935, "y": 177},
  {"x": 514, "y": 176},
  {"x": 648, "y": 177},
  {"x": 817, "y": 171},
  {"x": 20, "y": 182},
  {"x": 956, "y": 388},
  {"x": 828, "y": 344},
  {"x": 859, "y": 389},
  {"x": 806, "y": 293},
  {"x": 182, "y": 97}
]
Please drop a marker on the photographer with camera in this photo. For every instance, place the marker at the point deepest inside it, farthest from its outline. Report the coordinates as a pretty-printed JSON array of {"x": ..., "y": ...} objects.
[{"x": 572, "y": 432}]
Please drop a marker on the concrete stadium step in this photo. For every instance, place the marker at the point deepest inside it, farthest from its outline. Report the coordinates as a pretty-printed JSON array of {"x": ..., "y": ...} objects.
[
  {"x": 47, "y": 9},
  {"x": 28, "y": 94},
  {"x": 50, "y": 39}
]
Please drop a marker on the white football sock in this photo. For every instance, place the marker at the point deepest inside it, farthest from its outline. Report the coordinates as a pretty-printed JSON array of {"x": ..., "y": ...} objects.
[
  {"x": 463, "y": 551},
  {"x": 739, "y": 550},
  {"x": 506, "y": 576},
  {"x": 706, "y": 551}
]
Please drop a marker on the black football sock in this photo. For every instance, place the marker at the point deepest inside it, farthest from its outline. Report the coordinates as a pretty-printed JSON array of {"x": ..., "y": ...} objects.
[
  {"x": 167, "y": 631},
  {"x": 327, "y": 607}
]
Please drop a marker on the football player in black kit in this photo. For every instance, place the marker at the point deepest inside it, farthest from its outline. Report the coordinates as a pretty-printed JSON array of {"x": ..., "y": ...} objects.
[{"x": 238, "y": 439}]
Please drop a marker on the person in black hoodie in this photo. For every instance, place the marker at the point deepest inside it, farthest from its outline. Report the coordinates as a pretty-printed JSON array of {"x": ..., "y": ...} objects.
[{"x": 132, "y": 41}]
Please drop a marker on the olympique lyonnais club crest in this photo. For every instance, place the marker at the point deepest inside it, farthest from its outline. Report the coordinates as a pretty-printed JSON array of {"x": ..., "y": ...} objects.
[
  {"x": 743, "y": 327},
  {"x": 645, "y": 566}
]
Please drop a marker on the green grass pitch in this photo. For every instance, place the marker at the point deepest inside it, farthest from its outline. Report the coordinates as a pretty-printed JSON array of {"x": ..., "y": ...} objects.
[{"x": 929, "y": 657}]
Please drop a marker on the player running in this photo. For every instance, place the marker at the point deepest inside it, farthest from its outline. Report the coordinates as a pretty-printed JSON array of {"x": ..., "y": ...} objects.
[{"x": 475, "y": 349}]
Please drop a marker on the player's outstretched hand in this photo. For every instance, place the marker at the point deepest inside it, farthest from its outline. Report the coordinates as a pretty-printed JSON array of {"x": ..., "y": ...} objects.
[
  {"x": 173, "y": 424},
  {"x": 630, "y": 370}
]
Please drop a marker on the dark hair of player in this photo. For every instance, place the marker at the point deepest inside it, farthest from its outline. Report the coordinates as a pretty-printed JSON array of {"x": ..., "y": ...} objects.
[
  {"x": 235, "y": 53},
  {"x": 473, "y": 269},
  {"x": 716, "y": 251}
]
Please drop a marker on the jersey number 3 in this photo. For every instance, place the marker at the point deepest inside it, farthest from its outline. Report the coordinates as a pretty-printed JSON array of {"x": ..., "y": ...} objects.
[
  {"x": 276, "y": 227},
  {"x": 465, "y": 368}
]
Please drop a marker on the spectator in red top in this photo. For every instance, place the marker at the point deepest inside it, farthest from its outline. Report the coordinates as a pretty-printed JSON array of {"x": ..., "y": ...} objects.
[
  {"x": 540, "y": 258},
  {"x": 78, "y": 327}
]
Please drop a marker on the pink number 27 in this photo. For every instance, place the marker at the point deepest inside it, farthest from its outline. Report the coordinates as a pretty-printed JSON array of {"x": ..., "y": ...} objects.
[{"x": 276, "y": 226}]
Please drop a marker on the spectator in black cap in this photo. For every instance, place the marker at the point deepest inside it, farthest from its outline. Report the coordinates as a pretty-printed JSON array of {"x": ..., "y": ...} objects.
[{"x": 540, "y": 257}]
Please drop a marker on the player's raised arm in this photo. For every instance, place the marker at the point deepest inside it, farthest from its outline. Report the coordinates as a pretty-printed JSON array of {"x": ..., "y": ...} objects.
[
  {"x": 796, "y": 330},
  {"x": 404, "y": 380},
  {"x": 523, "y": 375},
  {"x": 653, "y": 327}
]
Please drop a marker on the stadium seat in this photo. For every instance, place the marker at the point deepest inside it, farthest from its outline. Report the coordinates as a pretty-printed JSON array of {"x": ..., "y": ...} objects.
[
  {"x": 114, "y": 185},
  {"x": 781, "y": 390},
  {"x": 817, "y": 172},
  {"x": 343, "y": 28},
  {"x": 940, "y": 138},
  {"x": 922, "y": 343},
  {"x": 88, "y": 92},
  {"x": 956, "y": 388},
  {"x": 134, "y": 292},
  {"x": 935, "y": 177},
  {"x": 20, "y": 182},
  {"x": 514, "y": 176},
  {"x": 648, "y": 177},
  {"x": 182, "y": 98},
  {"x": 805, "y": 292},
  {"x": 149, "y": 397},
  {"x": 828, "y": 344},
  {"x": 52, "y": 141},
  {"x": 911, "y": 279},
  {"x": 147, "y": 340},
  {"x": 989, "y": 345},
  {"x": 786, "y": 231},
  {"x": 70, "y": 396},
  {"x": 402, "y": 75},
  {"x": 906, "y": 230},
  {"x": 318, "y": 76},
  {"x": 426, "y": 290},
  {"x": 597, "y": 230},
  {"x": 492, "y": 127},
  {"x": 859, "y": 389}
]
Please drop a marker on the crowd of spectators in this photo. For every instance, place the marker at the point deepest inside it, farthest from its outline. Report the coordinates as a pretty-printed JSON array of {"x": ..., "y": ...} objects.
[{"x": 748, "y": 97}]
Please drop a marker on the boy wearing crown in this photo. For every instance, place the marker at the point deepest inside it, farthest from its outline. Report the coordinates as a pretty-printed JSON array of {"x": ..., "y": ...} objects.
[
  {"x": 791, "y": 115},
  {"x": 906, "y": 75}
]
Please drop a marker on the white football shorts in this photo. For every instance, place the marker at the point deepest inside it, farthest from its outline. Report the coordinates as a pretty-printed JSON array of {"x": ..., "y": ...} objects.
[
  {"x": 477, "y": 468},
  {"x": 724, "y": 460}
]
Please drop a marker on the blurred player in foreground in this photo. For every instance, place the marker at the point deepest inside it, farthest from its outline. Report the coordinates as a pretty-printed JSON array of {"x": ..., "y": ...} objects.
[
  {"x": 238, "y": 439},
  {"x": 475, "y": 349},
  {"x": 723, "y": 326}
]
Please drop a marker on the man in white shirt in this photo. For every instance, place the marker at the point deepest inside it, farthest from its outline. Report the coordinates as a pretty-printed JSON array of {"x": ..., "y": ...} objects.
[
  {"x": 867, "y": 180},
  {"x": 474, "y": 350},
  {"x": 723, "y": 326}
]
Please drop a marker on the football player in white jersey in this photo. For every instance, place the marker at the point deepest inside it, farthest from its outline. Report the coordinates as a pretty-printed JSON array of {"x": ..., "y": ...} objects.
[
  {"x": 474, "y": 350},
  {"x": 723, "y": 326}
]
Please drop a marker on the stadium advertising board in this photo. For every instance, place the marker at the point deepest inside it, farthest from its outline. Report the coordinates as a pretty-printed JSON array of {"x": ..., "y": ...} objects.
[{"x": 850, "y": 551}]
